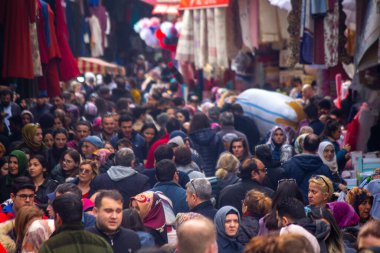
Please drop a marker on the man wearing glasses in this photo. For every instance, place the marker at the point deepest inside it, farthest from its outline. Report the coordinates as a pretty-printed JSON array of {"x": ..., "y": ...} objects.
[{"x": 23, "y": 193}]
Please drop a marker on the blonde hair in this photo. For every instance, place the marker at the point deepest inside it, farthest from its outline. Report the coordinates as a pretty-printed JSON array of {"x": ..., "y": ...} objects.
[
  {"x": 227, "y": 162},
  {"x": 324, "y": 182},
  {"x": 92, "y": 164},
  {"x": 257, "y": 203},
  {"x": 294, "y": 243}
]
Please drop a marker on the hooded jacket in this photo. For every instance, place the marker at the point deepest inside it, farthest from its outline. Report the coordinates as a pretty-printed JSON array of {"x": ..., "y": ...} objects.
[
  {"x": 302, "y": 167},
  {"x": 124, "y": 179},
  {"x": 209, "y": 146},
  {"x": 226, "y": 244}
]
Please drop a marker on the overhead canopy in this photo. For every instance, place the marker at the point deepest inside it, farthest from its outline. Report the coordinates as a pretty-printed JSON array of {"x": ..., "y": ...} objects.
[
  {"x": 99, "y": 66},
  {"x": 166, "y": 9}
]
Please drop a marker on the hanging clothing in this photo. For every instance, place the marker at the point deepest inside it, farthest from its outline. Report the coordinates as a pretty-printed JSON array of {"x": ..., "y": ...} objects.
[
  {"x": 16, "y": 17},
  {"x": 37, "y": 68},
  {"x": 68, "y": 68},
  {"x": 294, "y": 20},
  {"x": 307, "y": 34},
  {"x": 96, "y": 37},
  {"x": 331, "y": 36}
]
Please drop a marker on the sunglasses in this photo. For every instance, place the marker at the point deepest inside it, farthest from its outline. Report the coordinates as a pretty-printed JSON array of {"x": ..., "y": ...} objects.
[
  {"x": 318, "y": 178},
  {"x": 286, "y": 180}
]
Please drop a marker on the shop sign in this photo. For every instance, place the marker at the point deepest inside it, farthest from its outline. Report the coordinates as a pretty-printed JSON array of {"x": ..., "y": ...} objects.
[{"x": 201, "y": 4}]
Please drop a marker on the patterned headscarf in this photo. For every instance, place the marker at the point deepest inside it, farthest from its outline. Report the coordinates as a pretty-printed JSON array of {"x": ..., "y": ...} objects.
[
  {"x": 344, "y": 214},
  {"x": 28, "y": 132},
  {"x": 356, "y": 196},
  {"x": 151, "y": 209},
  {"x": 297, "y": 144},
  {"x": 102, "y": 155}
]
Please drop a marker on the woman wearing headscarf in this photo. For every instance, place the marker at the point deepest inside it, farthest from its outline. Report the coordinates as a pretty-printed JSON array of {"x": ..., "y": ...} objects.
[
  {"x": 326, "y": 152},
  {"x": 347, "y": 220},
  {"x": 151, "y": 210},
  {"x": 33, "y": 139},
  {"x": 361, "y": 200},
  {"x": 279, "y": 145},
  {"x": 298, "y": 144},
  {"x": 17, "y": 164},
  {"x": 227, "y": 222}
]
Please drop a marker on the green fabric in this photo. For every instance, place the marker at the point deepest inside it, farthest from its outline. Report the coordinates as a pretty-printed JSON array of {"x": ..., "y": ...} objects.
[
  {"x": 22, "y": 165},
  {"x": 73, "y": 239}
]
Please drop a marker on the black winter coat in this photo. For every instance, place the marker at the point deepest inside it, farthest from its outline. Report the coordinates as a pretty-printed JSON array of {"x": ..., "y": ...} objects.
[{"x": 209, "y": 146}]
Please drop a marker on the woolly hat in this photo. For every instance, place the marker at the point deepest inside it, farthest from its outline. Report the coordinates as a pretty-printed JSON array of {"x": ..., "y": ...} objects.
[
  {"x": 94, "y": 140},
  {"x": 176, "y": 140}
]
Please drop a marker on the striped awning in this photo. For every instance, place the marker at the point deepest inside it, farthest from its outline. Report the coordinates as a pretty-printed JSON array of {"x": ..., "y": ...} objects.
[{"x": 99, "y": 66}]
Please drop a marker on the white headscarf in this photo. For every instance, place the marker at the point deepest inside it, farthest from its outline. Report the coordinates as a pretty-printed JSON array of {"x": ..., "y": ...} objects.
[{"x": 331, "y": 164}]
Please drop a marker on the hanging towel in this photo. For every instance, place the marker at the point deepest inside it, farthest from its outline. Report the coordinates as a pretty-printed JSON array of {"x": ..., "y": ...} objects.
[
  {"x": 185, "y": 48},
  {"x": 246, "y": 26},
  {"x": 211, "y": 42},
  {"x": 318, "y": 7},
  {"x": 307, "y": 34}
]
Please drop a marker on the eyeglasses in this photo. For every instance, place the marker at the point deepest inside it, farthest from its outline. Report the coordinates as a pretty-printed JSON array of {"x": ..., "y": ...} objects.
[
  {"x": 192, "y": 184},
  {"x": 320, "y": 177},
  {"x": 26, "y": 196},
  {"x": 286, "y": 180},
  {"x": 86, "y": 172}
]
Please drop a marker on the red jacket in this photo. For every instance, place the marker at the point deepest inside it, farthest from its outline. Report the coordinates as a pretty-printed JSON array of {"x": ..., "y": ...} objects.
[{"x": 150, "y": 158}]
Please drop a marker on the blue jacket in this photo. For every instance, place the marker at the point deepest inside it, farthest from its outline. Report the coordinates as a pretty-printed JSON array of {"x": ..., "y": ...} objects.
[
  {"x": 175, "y": 193},
  {"x": 302, "y": 167},
  {"x": 209, "y": 146}
]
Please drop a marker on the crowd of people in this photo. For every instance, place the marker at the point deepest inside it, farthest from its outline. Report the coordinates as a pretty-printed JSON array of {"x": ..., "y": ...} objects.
[{"x": 127, "y": 165}]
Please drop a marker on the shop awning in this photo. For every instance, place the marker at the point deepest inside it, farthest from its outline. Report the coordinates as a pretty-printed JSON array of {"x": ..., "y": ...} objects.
[
  {"x": 99, "y": 66},
  {"x": 203, "y": 4},
  {"x": 166, "y": 9}
]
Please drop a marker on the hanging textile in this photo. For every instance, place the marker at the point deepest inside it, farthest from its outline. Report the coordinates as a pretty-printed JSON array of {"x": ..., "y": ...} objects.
[
  {"x": 185, "y": 47},
  {"x": 96, "y": 37},
  {"x": 233, "y": 29},
  {"x": 244, "y": 14},
  {"x": 211, "y": 42},
  {"x": 68, "y": 68},
  {"x": 16, "y": 16},
  {"x": 294, "y": 21},
  {"x": 306, "y": 34},
  {"x": 37, "y": 68},
  {"x": 104, "y": 21},
  {"x": 331, "y": 36},
  {"x": 254, "y": 21},
  {"x": 221, "y": 37}
]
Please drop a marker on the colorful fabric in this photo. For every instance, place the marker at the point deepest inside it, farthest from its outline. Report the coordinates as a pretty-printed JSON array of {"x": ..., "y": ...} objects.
[
  {"x": 151, "y": 209},
  {"x": 331, "y": 36},
  {"x": 297, "y": 144},
  {"x": 22, "y": 165},
  {"x": 294, "y": 20},
  {"x": 38, "y": 232}
]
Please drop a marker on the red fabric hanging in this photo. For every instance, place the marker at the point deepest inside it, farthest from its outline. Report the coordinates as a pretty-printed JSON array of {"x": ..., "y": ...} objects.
[
  {"x": 68, "y": 68},
  {"x": 16, "y": 17}
]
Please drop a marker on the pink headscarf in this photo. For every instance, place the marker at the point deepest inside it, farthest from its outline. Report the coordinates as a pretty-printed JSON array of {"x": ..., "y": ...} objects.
[{"x": 344, "y": 214}]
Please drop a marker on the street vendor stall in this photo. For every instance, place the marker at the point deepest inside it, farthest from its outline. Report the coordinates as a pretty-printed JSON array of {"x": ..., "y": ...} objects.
[{"x": 99, "y": 66}]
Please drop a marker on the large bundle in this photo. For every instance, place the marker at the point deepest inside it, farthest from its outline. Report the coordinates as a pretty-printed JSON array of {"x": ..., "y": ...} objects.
[{"x": 269, "y": 108}]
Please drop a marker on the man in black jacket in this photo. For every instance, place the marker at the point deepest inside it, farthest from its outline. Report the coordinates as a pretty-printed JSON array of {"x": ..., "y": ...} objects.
[
  {"x": 109, "y": 214},
  {"x": 198, "y": 195},
  {"x": 252, "y": 174}
]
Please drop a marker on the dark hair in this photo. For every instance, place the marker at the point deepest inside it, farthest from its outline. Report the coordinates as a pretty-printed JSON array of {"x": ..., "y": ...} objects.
[
  {"x": 122, "y": 105},
  {"x": 165, "y": 170},
  {"x": 246, "y": 168},
  {"x": 178, "y": 101},
  {"x": 311, "y": 111},
  {"x": 172, "y": 124},
  {"x": 84, "y": 123},
  {"x": 21, "y": 183},
  {"x": 132, "y": 220},
  {"x": 60, "y": 130},
  {"x": 42, "y": 160},
  {"x": 185, "y": 113},
  {"x": 182, "y": 155},
  {"x": 147, "y": 126},
  {"x": 324, "y": 103},
  {"x": 330, "y": 127},
  {"x": 296, "y": 79},
  {"x": 68, "y": 188},
  {"x": 246, "y": 154},
  {"x": 111, "y": 194},
  {"x": 124, "y": 141},
  {"x": 264, "y": 154},
  {"x": 311, "y": 143},
  {"x": 125, "y": 118},
  {"x": 73, "y": 154},
  {"x": 237, "y": 109},
  {"x": 163, "y": 152},
  {"x": 291, "y": 208},
  {"x": 287, "y": 189},
  {"x": 334, "y": 241},
  {"x": 138, "y": 111},
  {"x": 69, "y": 207},
  {"x": 198, "y": 122}
]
